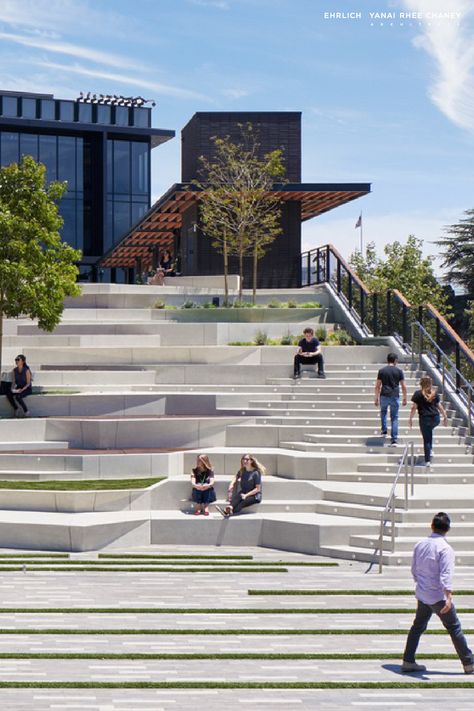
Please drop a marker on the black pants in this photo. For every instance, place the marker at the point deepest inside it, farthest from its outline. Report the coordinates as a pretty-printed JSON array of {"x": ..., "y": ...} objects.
[
  {"x": 238, "y": 503},
  {"x": 427, "y": 425},
  {"x": 15, "y": 399},
  {"x": 310, "y": 360}
]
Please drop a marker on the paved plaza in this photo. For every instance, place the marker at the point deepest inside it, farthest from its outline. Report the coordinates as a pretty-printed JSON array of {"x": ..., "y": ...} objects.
[{"x": 224, "y": 627}]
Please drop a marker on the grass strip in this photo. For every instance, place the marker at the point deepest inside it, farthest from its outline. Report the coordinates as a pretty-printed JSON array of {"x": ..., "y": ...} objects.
[
  {"x": 157, "y": 569},
  {"x": 205, "y": 563},
  {"x": 331, "y": 593},
  {"x": 81, "y": 484},
  {"x": 165, "y": 656},
  {"x": 218, "y": 633},
  {"x": 174, "y": 557},
  {"x": 215, "y": 610},
  {"x": 236, "y": 685},
  {"x": 21, "y": 556}
]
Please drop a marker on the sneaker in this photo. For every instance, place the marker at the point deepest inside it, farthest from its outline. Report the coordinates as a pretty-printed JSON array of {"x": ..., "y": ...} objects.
[
  {"x": 27, "y": 414},
  {"x": 383, "y": 433},
  {"x": 296, "y": 376},
  {"x": 427, "y": 466},
  {"x": 221, "y": 511},
  {"x": 413, "y": 667},
  {"x": 321, "y": 375},
  {"x": 469, "y": 669},
  {"x": 394, "y": 443}
]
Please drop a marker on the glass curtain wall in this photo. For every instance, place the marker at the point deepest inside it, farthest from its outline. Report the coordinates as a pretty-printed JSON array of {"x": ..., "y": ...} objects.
[
  {"x": 128, "y": 187},
  {"x": 63, "y": 158}
]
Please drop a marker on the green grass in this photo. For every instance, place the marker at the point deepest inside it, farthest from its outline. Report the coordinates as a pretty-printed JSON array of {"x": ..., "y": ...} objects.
[
  {"x": 204, "y": 563},
  {"x": 199, "y": 632},
  {"x": 158, "y": 569},
  {"x": 139, "y": 556},
  {"x": 236, "y": 685},
  {"x": 331, "y": 593},
  {"x": 20, "y": 556},
  {"x": 82, "y": 484}
]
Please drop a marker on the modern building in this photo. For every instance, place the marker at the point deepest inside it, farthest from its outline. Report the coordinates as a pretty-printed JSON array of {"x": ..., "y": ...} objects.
[
  {"x": 174, "y": 221},
  {"x": 101, "y": 146}
]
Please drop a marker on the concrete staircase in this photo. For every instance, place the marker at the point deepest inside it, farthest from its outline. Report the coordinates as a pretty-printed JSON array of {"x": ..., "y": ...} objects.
[{"x": 119, "y": 396}]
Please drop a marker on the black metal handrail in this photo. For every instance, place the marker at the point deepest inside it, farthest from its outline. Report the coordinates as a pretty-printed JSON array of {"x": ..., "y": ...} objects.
[{"x": 385, "y": 314}]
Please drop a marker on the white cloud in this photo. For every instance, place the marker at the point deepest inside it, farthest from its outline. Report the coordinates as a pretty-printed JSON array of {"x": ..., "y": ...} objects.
[
  {"x": 451, "y": 45},
  {"x": 153, "y": 86},
  {"x": 93, "y": 55},
  {"x": 217, "y": 4},
  {"x": 235, "y": 93}
]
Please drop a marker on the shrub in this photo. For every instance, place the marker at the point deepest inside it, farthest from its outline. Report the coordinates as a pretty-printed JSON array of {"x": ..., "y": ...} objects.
[
  {"x": 275, "y": 304},
  {"x": 340, "y": 338},
  {"x": 241, "y": 343},
  {"x": 243, "y": 305},
  {"x": 159, "y": 304},
  {"x": 209, "y": 305},
  {"x": 292, "y": 304},
  {"x": 321, "y": 333},
  {"x": 287, "y": 340},
  {"x": 260, "y": 338},
  {"x": 190, "y": 305},
  {"x": 310, "y": 305}
]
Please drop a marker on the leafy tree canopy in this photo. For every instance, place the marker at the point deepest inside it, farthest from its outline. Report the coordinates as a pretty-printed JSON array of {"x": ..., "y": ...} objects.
[
  {"x": 458, "y": 252},
  {"x": 37, "y": 269},
  {"x": 403, "y": 268}
]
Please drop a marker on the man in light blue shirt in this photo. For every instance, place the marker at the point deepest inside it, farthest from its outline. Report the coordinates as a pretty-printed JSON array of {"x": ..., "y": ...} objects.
[{"x": 432, "y": 569}]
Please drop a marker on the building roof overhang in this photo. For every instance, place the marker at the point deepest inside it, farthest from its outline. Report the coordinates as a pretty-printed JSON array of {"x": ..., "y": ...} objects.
[{"x": 156, "y": 229}]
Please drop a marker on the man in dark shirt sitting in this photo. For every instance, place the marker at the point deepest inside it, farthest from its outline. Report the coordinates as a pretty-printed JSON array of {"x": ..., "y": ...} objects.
[
  {"x": 309, "y": 352},
  {"x": 387, "y": 394}
]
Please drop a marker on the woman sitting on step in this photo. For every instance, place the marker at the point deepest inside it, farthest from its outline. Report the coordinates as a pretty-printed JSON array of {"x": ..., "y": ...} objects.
[
  {"x": 202, "y": 480},
  {"x": 246, "y": 487},
  {"x": 20, "y": 388}
]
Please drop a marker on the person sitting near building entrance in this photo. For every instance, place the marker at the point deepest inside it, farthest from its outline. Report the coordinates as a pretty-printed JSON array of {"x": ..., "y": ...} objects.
[
  {"x": 167, "y": 263},
  {"x": 202, "y": 480},
  {"x": 309, "y": 353},
  {"x": 245, "y": 488},
  {"x": 20, "y": 387}
]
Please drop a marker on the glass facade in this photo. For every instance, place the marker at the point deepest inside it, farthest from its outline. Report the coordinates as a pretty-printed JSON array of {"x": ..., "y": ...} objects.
[
  {"x": 63, "y": 158},
  {"x": 128, "y": 186}
]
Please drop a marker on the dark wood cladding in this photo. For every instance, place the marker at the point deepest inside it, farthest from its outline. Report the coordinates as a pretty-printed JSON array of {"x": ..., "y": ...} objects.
[{"x": 275, "y": 129}]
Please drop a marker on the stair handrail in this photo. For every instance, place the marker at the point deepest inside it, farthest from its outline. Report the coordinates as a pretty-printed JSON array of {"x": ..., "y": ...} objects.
[
  {"x": 459, "y": 380},
  {"x": 389, "y": 510}
]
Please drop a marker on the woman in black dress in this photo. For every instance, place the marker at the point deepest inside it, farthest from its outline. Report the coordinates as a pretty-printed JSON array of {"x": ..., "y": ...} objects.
[
  {"x": 167, "y": 263},
  {"x": 202, "y": 480},
  {"x": 21, "y": 386},
  {"x": 426, "y": 400},
  {"x": 246, "y": 486}
]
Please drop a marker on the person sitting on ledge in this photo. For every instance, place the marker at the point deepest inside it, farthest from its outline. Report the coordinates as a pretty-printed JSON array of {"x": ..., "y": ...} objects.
[
  {"x": 202, "y": 480},
  {"x": 245, "y": 488},
  {"x": 167, "y": 264},
  {"x": 309, "y": 352},
  {"x": 20, "y": 387}
]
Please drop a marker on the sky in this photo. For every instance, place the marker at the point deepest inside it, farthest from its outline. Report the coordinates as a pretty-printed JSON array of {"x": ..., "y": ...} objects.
[{"x": 386, "y": 89}]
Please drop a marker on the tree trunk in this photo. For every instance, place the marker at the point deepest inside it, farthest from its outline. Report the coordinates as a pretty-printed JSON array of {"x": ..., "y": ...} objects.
[
  {"x": 241, "y": 271},
  {"x": 255, "y": 260},
  {"x": 226, "y": 272}
]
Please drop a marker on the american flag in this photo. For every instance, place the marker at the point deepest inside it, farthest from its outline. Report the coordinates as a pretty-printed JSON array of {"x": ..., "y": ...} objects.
[{"x": 359, "y": 222}]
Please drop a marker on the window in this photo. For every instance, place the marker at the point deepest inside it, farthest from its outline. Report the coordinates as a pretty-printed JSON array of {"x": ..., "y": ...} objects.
[
  {"x": 121, "y": 180},
  {"x": 67, "y": 161},
  {"x": 9, "y": 147},
  {"x": 47, "y": 155},
  {"x": 80, "y": 164},
  {"x": 140, "y": 180},
  {"x": 121, "y": 219},
  {"x": 66, "y": 111},
  {"x": 29, "y": 145},
  {"x": 28, "y": 108},
  {"x": 138, "y": 210},
  {"x": 103, "y": 114},
  {"x": 121, "y": 115},
  {"x": 141, "y": 118},
  {"x": 67, "y": 209},
  {"x": 85, "y": 113},
  {"x": 47, "y": 110},
  {"x": 9, "y": 106}
]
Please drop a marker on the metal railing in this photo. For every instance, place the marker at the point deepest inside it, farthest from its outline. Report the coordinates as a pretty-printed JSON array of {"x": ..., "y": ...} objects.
[
  {"x": 449, "y": 374},
  {"x": 389, "y": 511}
]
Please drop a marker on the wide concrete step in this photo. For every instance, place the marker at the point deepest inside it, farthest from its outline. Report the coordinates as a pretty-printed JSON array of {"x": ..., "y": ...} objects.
[
  {"x": 445, "y": 454},
  {"x": 419, "y": 478},
  {"x": 458, "y": 542},
  {"x": 399, "y": 558},
  {"x": 24, "y": 445},
  {"x": 436, "y": 468}
]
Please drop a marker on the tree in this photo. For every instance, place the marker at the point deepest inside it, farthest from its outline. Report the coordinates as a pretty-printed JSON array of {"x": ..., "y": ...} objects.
[
  {"x": 404, "y": 268},
  {"x": 459, "y": 252},
  {"x": 37, "y": 269},
  {"x": 238, "y": 209}
]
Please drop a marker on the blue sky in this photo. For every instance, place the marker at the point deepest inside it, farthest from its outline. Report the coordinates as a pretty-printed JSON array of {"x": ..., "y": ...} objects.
[{"x": 384, "y": 100}]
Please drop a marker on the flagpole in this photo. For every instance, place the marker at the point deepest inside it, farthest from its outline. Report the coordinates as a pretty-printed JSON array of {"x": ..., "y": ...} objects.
[{"x": 361, "y": 237}]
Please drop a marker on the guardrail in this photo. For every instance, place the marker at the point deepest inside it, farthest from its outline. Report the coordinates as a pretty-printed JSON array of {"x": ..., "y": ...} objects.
[{"x": 389, "y": 510}]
